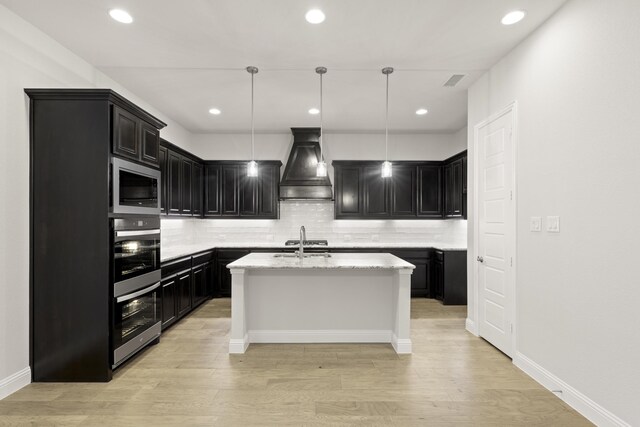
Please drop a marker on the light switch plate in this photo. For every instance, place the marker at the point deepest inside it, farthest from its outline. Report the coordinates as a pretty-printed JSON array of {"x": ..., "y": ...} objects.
[
  {"x": 553, "y": 224},
  {"x": 535, "y": 224}
]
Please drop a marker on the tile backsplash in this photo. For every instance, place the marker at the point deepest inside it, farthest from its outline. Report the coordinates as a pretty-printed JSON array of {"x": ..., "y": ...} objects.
[{"x": 317, "y": 217}]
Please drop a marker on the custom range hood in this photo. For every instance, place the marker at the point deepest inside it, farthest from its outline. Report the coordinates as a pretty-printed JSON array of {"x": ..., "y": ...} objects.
[{"x": 299, "y": 181}]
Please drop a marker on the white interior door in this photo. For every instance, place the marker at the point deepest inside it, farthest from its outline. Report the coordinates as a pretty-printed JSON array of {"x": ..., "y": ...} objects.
[{"x": 496, "y": 231}]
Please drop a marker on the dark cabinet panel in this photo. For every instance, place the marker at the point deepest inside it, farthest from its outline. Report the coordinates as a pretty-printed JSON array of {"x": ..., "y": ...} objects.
[
  {"x": 450, "y": 277},
  {"x": 150, "y": 144},
  {"x": 212, "y": 190},
  {"x": 169, "y": 303},
  {"x": 453, "y": 189},
  {"x": 268, "y": 190},
  {"x": 348, "y": 195},
  {"x": 162, "y": 157},
  {"x": 376, "y": 192},
  {"x": 174, "y": 187},
  {"x": 229, "y": 190},
  {"x": 196, "y": 189},
  {"x": 403, "y": 191},
  {"x": 222, "y": 286},
  {"x": 464, "y": 187},
  {"x": 186, "y": 206},
  {"x": 200, "y": 277},
  {"x": 421, "y": 277},
  {"x": 183, "y": 294},
  {"x": 126, "y": 133},
  {"x": 430, "y": 191},
  {"x": 248, "y": 194}
]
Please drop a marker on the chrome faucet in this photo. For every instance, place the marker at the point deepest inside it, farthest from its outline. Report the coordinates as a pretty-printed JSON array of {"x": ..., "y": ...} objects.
[{"x": 303, "y": 237}]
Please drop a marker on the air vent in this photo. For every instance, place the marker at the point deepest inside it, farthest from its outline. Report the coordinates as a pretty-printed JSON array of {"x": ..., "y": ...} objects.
[{"x": 454, "y": 80}]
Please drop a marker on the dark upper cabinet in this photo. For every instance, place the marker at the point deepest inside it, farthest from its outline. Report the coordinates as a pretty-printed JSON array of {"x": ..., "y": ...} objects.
[
  {"x": 453, "y": 188},
  {"x": 348, "y": 193},
  {"x": 229, "y": 190},
  {"x": 196, "y": 189},
  {"x": 268, "y": 191},
  {"x": 403, "y": 191},
  {"x": 174, "y": 181},
  {"x": 134, "y": 138},
  {"x": 186, "y": 206},
  {"x": 212, "y": 184},
  {"x": 150, "y": 144},
  {"x": 248, "y": 194},
  {"x": 162, "y": 157},
  {"x": 126, "y": 133},
  {"x": 430, "y": 191},
  {"x": 376, "y": 193}
]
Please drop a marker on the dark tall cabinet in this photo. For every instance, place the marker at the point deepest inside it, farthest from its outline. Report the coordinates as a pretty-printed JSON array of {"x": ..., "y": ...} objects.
[{"x": 74, "y": 132}]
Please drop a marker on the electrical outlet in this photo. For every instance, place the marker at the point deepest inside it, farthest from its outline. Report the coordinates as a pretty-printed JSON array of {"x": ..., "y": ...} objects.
[
  {"x": 553, "y": 224},
  {"x": 535, "y": 224}
]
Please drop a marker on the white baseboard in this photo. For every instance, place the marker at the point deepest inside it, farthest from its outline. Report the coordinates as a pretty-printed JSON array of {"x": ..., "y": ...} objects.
[
  {"x": 578, "y": 401},
  {"x": 402, "y": 345},
  {"x": 15, "y": 382},
  {"x": 238, "y": 346},
  {"x": 320, "y": 336},
  {"x": 470, "y": 326}
]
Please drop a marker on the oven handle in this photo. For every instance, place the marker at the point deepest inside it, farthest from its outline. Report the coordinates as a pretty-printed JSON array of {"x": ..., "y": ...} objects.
[
  {"x": 138, "y": 293},
  {"x": 137, "y": 233}
]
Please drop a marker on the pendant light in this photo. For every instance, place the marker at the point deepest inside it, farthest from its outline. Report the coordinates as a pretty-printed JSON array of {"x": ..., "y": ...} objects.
[
  {"x": 252, "y": 166},
  {"x": 386, "y": 166},
  {"x": 321, "y": 168}
]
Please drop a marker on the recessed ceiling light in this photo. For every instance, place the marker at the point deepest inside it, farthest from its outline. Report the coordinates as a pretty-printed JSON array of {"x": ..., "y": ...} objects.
[
  {"x": 314, "y": 16},
  {"x": 314, "y": 111},
  {"x": 121, "y": 16},
  {"x": 513, "y": 17},
  {"x": 421, "y": 111},
  {"x": 214, "y": 111}
]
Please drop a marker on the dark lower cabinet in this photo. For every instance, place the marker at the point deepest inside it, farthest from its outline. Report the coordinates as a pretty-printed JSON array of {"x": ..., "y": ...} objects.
[
  {"x": 421, "y": 277},
  {"x": 183, "y": 286},
  {"x": 168, "y": 295},
  {"x": 222, "y": 286},
  {"x": 450, "y": 277},
  {"x": 201, "y": 275}
]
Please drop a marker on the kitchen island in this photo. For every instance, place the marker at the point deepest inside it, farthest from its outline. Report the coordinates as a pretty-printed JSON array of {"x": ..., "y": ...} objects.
[{"x": 321, "y": 298}]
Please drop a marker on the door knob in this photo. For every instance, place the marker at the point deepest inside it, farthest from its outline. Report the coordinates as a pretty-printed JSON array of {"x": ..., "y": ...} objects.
[{"x": 480, "y": 259}]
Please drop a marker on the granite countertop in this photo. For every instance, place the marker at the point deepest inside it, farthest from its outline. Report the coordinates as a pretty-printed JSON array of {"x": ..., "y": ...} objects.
[
  {"x": 335, "y": 261},
  {"x": 170, "y": 252}
]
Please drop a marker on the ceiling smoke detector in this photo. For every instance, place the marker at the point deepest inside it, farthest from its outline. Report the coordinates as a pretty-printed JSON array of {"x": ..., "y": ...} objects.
[{"x": 454, "y": 80}]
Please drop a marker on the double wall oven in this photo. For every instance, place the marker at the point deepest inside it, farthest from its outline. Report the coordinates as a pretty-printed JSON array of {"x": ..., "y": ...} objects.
[{"x": 135, "y": 258}]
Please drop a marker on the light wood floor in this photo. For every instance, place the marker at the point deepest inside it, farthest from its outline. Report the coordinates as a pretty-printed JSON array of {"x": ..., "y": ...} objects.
[{"x": 451, "y": 379}]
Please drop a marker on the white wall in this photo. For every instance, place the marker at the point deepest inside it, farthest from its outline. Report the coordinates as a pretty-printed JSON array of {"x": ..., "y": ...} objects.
[
  {"x": 576, "y": 83},
  {"x": 28, "y": 59}
]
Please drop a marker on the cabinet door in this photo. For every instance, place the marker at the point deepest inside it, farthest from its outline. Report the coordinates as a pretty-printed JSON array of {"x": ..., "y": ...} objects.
[
  {"x": 248, "y": 194},
  {"x": 464, "y": 187},
  {"x": 376, "y": 193},
  {"x": 174, "y": 166},
  {"x": 448, "y": 190},
  {"x": 168, "y": 301},
  {"x": 150, "y": 144},
  {"x": 126, "y": 134},
  {"x": 268, "y": 191},
  {"x": 184, "y": 292},
  {"x": 438, "y": 279},
  {"x": 403, "y": 191},
  {"x": 456, "y": 193},
  {"x": 348, "y": 192},
  {"x": 196, "y": 187},
  {"x": 199, "y": 284},
  {"x": 212, "y": 190},
  {"x": 229, "y": 190},
  {"x": 430, "y": 191},
  {"x": 186, "y": 206},
  {"x": 420, "y": 279},
  {"x": 162, "y": 157},
  {"x": 224, "y": 278}
]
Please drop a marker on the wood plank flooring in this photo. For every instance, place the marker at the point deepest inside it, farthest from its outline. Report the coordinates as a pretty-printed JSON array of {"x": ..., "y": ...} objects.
[{"x": 451, "y": 379}]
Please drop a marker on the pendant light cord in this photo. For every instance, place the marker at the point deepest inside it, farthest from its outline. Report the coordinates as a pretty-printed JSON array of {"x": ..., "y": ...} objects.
[
  {"x": 321, "y": 118},
  {"x": 386, "y": 125},
  {"x": 252, "y": 131}
]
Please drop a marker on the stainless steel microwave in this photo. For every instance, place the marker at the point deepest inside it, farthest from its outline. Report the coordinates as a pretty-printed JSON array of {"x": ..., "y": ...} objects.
[{"x": 135, "y": 188}]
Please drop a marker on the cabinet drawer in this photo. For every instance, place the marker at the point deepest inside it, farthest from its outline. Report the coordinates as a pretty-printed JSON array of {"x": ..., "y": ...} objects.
[
  {"x": 201, "y": 258},
  {"x": 172, "y": 267}
]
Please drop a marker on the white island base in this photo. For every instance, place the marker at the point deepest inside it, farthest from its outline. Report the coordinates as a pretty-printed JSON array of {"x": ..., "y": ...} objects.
[{"x": 347, "y": 298}]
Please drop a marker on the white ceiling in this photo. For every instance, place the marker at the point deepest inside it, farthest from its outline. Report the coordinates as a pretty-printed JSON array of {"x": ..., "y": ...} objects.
[{"x": 185, "y": 57}]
